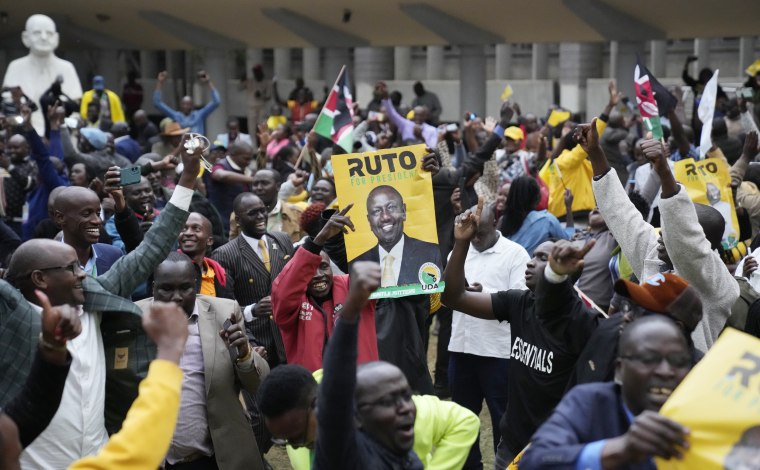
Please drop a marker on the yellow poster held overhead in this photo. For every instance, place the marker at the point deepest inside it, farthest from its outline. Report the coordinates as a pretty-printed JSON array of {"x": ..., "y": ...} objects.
[
  {"x": 394, "y": 216},
  {"x": 709, "y": 182},
  {"x": 719, "y": 401}
]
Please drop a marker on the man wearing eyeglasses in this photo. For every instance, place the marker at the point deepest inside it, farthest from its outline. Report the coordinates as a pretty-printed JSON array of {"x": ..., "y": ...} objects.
[
  {"x": 616, "y": 424},
  {"x": 103, "y": 380}
]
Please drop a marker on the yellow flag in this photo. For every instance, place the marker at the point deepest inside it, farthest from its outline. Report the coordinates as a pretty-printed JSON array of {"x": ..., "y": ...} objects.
[
  {"x": 506, "y": 93},
  {"x": 753, "y": 68},
  {"x": 558, "y": 116},
  {"x": 709, "y": 182},
  {"x": 719, "y": 401}
]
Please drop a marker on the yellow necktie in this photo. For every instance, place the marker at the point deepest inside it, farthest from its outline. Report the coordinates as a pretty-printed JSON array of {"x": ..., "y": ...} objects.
[
  {"x": 265, "y": 254},
  {"x": 388, "y": 279}
]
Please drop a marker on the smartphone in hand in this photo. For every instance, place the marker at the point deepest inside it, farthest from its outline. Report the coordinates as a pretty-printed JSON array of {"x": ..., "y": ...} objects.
[
  {"x": 130, "y": 175},
  {"x": 232, "y": 349}
]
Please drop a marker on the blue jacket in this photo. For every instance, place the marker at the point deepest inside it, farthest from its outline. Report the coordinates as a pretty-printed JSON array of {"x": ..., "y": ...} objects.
[
  {"x": 106, "y": 256},
  {"x": 48, "y": 177},
  {"x": 587, "y": 413}
]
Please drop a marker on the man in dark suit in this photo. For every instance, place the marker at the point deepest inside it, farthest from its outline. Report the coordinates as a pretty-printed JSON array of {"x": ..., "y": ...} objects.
[
  {"x": 400, "y": 256},
  {"x": 221, "y": 437},
  {"x": 77, "y": 212},
  {"x": 253, "y": 260},
  {"x": 617, "y": 424},
  {"x": 100, "y": 369}
]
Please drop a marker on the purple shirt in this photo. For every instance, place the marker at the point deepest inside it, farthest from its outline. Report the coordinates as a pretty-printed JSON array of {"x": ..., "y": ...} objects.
[{"x": 406, "y": 127}]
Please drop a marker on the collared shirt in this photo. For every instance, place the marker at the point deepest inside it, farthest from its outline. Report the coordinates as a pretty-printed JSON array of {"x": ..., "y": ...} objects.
[
  {"x": 207, "y": 280},
  {"x": 397, "y": 252},
  {"x": 191, "y": 435},
  {"x": 90, "y": 266},
  {"x": 498, "y": 268},
  {"x": 78, "y": 428},
  {"x": 254, "y": 243}
]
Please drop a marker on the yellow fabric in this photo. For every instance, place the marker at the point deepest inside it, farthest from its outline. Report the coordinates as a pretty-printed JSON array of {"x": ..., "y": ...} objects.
[
  {"x": 265, "y": 255},
  {"x": 274, "y": 121},
  {"x": 443, "y": 434},
  {"x": 147, "y": 431},
  {"x": 558, "y": 117},
  {"x": 388, "y": 278},
  {"x": 435, "y": 302},
  {"x": 117, "y": 113},
  {"x": 207, "y": 280},
  {"x": 570, "y": 170}
]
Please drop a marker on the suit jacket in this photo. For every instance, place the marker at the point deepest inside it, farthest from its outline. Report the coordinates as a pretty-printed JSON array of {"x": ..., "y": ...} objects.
[
  {"x": 231, "y": 434},
  {"x": 121, "y": 323},
  {"x": 252, "y": 282},
  {"x": 106, "y": 256},
  {"x": 416, "y": 252},
  {"x": 588, "y": 413}
]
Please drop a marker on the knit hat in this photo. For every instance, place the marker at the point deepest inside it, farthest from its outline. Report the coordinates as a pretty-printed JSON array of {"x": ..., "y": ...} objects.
[
  {"x": 98, "y": 83},
  {"x": 667, "y": 294},
  {"x": 514, "y": 133},
  {"x": 95, "y": 137}
]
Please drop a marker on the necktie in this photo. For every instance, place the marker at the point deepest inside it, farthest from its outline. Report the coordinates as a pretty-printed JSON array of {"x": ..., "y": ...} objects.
[
  {"x": 388, "y": 279},
  {"x": 264, "y": 254}
]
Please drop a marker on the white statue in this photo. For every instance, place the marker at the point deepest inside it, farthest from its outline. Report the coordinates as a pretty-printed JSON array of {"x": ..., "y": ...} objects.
[{"x": 36, "y": 72}]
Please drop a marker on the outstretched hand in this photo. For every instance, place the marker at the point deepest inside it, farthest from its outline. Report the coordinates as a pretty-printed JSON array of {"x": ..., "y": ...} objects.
[
  {"x": 567, "y": 258},
  {"x": 466, "y": 223},
  {"x": 339, "y": 222},
  {"x": 750, "y": 146},
  {"x": 587, "y": 136},
  {"x": 430, "y": 162}
]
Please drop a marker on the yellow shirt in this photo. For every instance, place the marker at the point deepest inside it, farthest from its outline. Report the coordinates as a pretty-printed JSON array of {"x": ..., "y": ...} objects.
[
  {"x": 207, "y": 280},
  {"x": 147, "y": 431}
]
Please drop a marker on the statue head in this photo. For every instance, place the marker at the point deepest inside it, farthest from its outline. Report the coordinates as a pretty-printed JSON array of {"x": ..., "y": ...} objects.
[{"x": 40, "y": 35}]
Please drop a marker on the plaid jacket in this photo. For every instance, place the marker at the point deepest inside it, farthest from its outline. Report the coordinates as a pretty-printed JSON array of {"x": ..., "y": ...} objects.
[{"x": 120, "y": 326}]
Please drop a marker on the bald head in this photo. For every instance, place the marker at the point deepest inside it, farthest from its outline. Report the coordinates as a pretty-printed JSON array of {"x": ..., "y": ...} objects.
[
  {"x": 72, "y": 197},
  {"x": 37, "y": 253}
]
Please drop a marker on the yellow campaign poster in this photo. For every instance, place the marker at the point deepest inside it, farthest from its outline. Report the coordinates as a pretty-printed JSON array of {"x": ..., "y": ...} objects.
[
  {"x": 709, "y": 182},
  {"x": 394, "y": 217},
  {"x": 719, "y": 401}
]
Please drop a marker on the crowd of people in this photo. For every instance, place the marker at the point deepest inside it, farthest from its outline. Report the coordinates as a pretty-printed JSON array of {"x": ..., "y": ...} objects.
[{"x": 160, "y": 308}]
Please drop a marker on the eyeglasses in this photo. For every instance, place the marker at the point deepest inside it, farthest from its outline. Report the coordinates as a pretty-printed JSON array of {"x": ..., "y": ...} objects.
[
  {"x": 73, "y": 268},
  {"x": 301, "y": 439},
  {"x": 393, "y": 400},
  {"x": 650, "y": 361}
]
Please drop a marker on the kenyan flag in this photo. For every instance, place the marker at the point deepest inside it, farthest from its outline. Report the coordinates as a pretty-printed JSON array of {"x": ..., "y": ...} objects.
[{"x": 336, "y": 119}]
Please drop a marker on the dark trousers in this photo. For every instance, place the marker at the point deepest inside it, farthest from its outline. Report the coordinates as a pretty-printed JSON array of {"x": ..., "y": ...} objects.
[
  {"x": 203, "y": 463},
  {"x": 473, "y": 379},
  {"x": 441, "y": 372}
]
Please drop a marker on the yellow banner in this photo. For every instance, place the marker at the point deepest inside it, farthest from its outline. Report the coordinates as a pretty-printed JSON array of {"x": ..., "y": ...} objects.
[
  {"x": 709, "y": 182},
  {"x": 719, "y": 401},
  {"x": 394, "y": 216}
]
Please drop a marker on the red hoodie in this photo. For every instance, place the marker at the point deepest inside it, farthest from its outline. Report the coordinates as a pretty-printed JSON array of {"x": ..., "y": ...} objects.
[{"x": 304, "y": 324}]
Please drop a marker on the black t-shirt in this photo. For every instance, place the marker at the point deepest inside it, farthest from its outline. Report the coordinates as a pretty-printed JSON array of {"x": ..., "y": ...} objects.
[{"x": 548, "y": 333}]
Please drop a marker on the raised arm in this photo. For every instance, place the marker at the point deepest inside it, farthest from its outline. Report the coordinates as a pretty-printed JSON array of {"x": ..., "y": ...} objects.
[
  {"x": 455, "y": 295},
  {"x": 72, "y": 155},
  {"x": 215, "y": 98},
  {"x": 336, "y": 446},
  {"x": 678, "y": 134},
  {"x": 157, "y": 98}
]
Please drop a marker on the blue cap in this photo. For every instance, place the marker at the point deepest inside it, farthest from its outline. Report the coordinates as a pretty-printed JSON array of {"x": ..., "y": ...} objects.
[
  {"x": 98, "y": 83},
  {"x": 95, "y": 137}
]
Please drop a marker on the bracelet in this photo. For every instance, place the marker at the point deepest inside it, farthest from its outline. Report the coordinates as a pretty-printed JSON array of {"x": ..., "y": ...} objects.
[{"x": 51, "y": 347}]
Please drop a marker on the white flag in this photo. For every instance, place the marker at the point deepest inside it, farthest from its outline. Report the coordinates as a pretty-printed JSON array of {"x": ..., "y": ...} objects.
[{"x": 706, "y": 111}]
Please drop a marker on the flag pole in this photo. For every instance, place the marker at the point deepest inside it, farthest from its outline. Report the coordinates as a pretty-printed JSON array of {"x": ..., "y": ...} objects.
[{"x": 342, "y": 69}]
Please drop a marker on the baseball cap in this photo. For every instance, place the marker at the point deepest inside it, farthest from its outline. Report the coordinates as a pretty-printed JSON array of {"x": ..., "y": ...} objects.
[
  {"x": 95, "y": 137},
  {"x": 665, "y": 293},
  {"x": 98, "y": 82},
  {"x": 514, "y": 133}
]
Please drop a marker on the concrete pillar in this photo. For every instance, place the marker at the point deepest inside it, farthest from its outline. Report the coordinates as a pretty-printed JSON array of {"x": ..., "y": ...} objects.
[
  {"x": 472, "y": 80},
  {"x": 434, "y": 63},
  {"x": 623, "y": 65},
  {"x": 503, "y": 61},
  {"x": 370, "y": 65},
  {"x": 702, "y": 51},
  {"x": 402, "y": 63},
  {"x": 577, "y": 62},
  {"x": 311, "y": 64},
  {"x": 334, "y": 59},
  {"x": 3, "y": 60},
  {"x": 149, "y": 64},
  {"x": 110, "y": 65},
  {"x": 282, "y": 63},
  {"x": 253, "y": 57},
  {"x": 746, "y": 54},
  {"x": 658, "y": 58},
  {"x": 215, "y": 64},
  {"x": 539, "y": 69}
]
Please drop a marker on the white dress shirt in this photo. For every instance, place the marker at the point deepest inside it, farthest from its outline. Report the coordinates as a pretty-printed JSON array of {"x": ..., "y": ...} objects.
[
  {"x": 498, "y": 268},
  {"x": 397, "y": 252},
  {"x": 254, "y": 243},
  {"x": 78, "y": 428}
]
